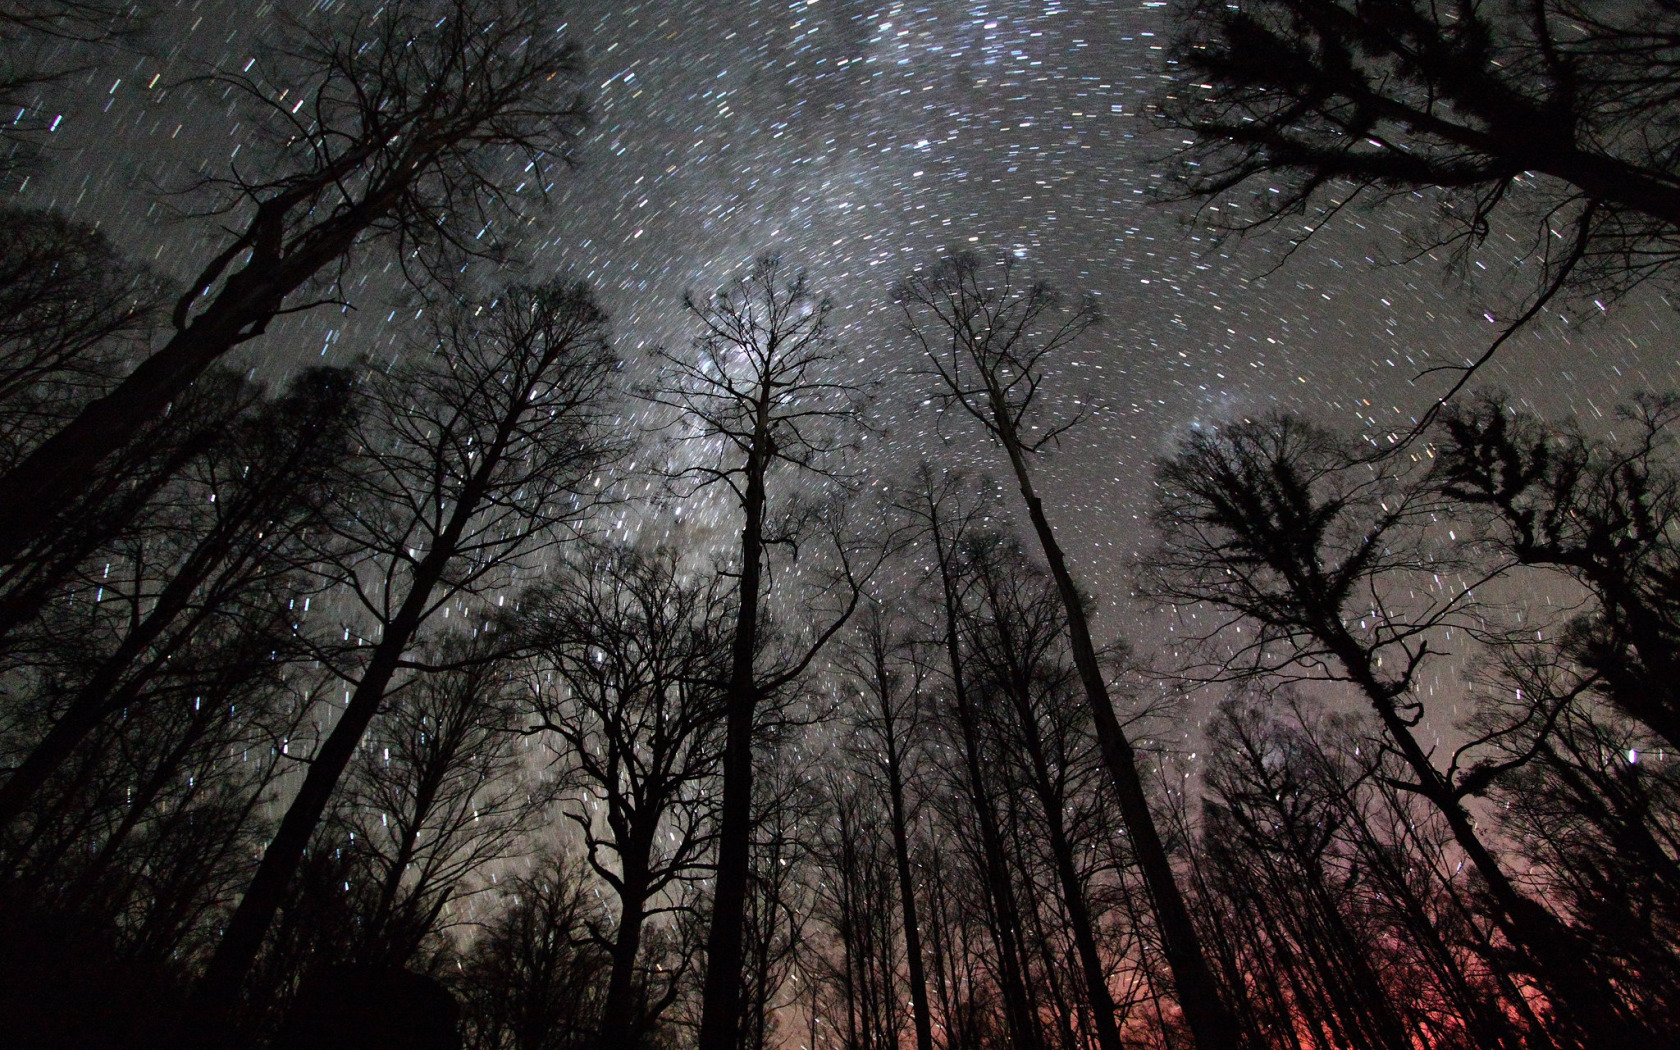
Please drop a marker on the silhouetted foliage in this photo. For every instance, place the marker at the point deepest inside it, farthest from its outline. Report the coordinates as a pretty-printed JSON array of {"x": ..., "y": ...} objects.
[{"x": 1555, "y": 115}]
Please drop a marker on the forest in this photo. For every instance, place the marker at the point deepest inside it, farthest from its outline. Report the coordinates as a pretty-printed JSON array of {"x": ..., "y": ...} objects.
[{"x": 339, "y": 710}]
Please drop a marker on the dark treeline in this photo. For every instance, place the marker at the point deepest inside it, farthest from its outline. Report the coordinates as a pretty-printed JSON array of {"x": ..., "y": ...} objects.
[{"x": 331, "y": 714}]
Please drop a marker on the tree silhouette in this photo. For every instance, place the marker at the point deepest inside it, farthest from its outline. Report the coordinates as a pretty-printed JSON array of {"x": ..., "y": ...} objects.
[
  {"x": 627, "y": 659},
  {"x": 1555, "y": 112},
  {"x": 762, "y": 385},
  {"x": 1029, "y": 694},
  {"x": 480, "y": 455},
  {"x": 988, "y": 341},
  {"x": 1604, "y": 514},
  {"x": 436, "y": 795},
  {"x": 405, "y": 135},
  {"x": 1309, "y": 546},
  {"x": 261, "y": 492},
  {"x": 946, "y": 510},
  {"x": 891, "y": 673}
]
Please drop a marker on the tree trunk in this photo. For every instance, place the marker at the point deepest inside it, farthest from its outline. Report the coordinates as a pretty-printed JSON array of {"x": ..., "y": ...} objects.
[
  {"x": 907, "y": 893},
  {"x": 721, "y": 1003},
  {"x": 1198, "y": 995},
  {"x": 45, "y": 483},
  {"x": 1097, "y": 993},
  {"x": 225, "y": 975},
  {"x": 95, "y": 701},
  {"x": 621, "y": 1018},
  {"x": 1584, "y": 996}
]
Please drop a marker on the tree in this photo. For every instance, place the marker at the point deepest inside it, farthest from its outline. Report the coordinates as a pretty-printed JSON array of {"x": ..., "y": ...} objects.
[
  {"x": 434, "y": 796},
  {"x": 761, "y": 384},
  {"x": 854, "y": 900},
  {"x": 1016, "y": 633},
  {"x": 532, "y": 980},
  {"x": 258, "y": 491},
  {"x": 777, "y": 908},
  {"x": 73, "y": 312},
  {"x": 1319, "y": 942},
  {"x": 1595, "y": 819},
  {"x": 627, "y": 657},
  {"x": 140, "y": 492},
  {"x": 409, "y": 123},
  {"x": 1554, "y": 112},
  {"x": 946, "y": 510},
  {"x": 482, "y": 454},
  {"x": 1322, "y": 556},
  {"x": 988, "y": 344},
  {"x": 891, "y": 674},
  {"x": 1603, "y": 513},
  {"x": 146, "y": 830}
]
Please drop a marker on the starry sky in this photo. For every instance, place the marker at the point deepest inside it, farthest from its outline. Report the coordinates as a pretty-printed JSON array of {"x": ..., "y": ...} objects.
[{"x": 859, "y": 139}]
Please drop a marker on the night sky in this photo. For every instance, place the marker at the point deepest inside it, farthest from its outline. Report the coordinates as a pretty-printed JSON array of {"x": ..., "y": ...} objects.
[{"x": 859, "y": 139}]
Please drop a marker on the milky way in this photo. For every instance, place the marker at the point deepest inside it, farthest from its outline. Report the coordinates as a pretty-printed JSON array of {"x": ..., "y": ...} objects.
[{"x": 861, "y": 139}]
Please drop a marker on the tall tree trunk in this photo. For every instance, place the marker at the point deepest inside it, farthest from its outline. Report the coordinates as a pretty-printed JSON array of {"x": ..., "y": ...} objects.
[
  {"x": 31, "y": 584},
  {"x": 1198, "y": 995},
  {"x": 138, "y": 805},
  {"x": 1585, "y": 997},
  {"x": 1097, "y": 993},
  {"x": 218, "y": 988},
  {"x": 95, "y": 700},
  {"x": 940, "y": 934},
  {"x": 907, "y": 891},
  {"x": 621, "y": 1014},
  {"x": 47, "y": 482},
  {"x": 721, "y": 1000}
]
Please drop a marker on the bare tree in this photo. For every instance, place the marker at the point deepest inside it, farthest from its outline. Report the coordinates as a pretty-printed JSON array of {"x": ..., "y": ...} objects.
[
  {"x": 436, "y": 794},
  {"x": 778, "y": 906},
  {"x": 1301, "y": 871},
  {"x": 627, "y": 658},
  {"x": 946, "y": 510},
  {"x": 761, "y": 387},
  {"x": 416, "y": 125},
  {"x": 854, "y": 899},
  {"x": 1605, "y": 514},
  {"x": 532, "y": 980},
  {"x": 1016, "y": 635},
  {"x": 989, "y": 341},
  {"x": 891, "y": 671},
  {"x": 1597, "y": 820},
  {"x": 143, "y": 487},
  {"x": 1322, "y": 557},
  {"x": 146, "y": 830},
  {"x": 72, "y": 312},
  {"x": 258, "y": 491},
  {"x": 1556, "y": 113},
  {"x": 482, "y": 454}
]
